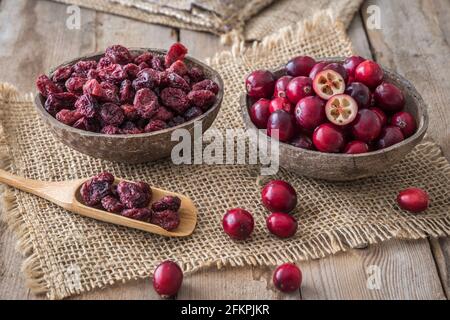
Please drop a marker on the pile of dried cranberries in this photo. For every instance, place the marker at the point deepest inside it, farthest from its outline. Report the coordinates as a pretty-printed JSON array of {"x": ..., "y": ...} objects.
[
  {"x": 127, "y": 94},
  {"x": 131, "y": 200},
  {"x": 330, "y": 107}
]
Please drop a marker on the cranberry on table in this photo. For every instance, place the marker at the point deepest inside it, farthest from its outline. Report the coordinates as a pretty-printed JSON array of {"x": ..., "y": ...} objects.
[
  {"x": 283, "y": 225},
  {"x": 310, "y": 113},
  {"x": 380, "y": 113},
  {"x": 260, "y": 84},
  {"x": 287, "y": 278},
  {"x": 300, "y": 66},
  {"x": 299, "y": 88},
  {"x": 281, "y": 123},
  {"x": 260, "y": 113},
  {"x": 414, "y": 200},
  {"x": 302, "y": 141},
  {"x": 328, "y": 83},
  {"x": 339, "y": 68},
  {"x": 390, "y": 136},
  {"x": 389, "y": 97},
  {"x": 328, "y": 138},
  {"x": 370, "y": 73},
  {"x": 279, "y": 196},
  {"x": 351, "y": 63},
  {"x": 367, "y": 126},
  {"x": 280, "y": 104},
  {"x": 406, "y": 122},
  {"x": 361, "y": 93},
  {"x": 238, "y": 224},
  {"x": 318, "y": 67},
  {"x": 356, "y": 147},
  {"x": 281, "y": 86},
  {"x": 341, "y": 109},
  {"x": 167, "y": 279}
]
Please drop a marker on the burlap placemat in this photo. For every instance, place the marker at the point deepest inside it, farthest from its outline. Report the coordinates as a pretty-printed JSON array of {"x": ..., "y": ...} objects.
[
  {"x": 233, "y": 19},
  {"x": 67, "y": 254}
]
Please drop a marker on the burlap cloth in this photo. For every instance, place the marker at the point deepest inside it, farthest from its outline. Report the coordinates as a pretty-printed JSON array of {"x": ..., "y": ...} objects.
[
  {"x": 233, "y": 19},
  {"x": 67, "y": 254}
]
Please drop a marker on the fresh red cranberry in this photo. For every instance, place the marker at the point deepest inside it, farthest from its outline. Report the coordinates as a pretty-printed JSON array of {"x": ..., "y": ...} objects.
[
  {"x": 283, "y": 225},
  {"x": 339, "y": 68},
  {"x": 328, "y": 138},
  {"x": 356, "y": 147},
  {"x": 361, "y": 93},
  {"x": 380, "y": 115},
  {"x": 167, "y": 279},
  {"x": 389, "y": 97},
  {"x": 300, "y": 66},
  {"x": 317, "y": 68},
  {"x": 299, "y": 88},
  {"x": 283, "y": 123},
  {"x": 238, "y": 224},
  {"x": 406, "y": 122},
  {"x": 351, "y": 63},
  {"x": 310, "y": 112},
  {"x": 260, "y": 84},
  {"x": 369, "y": 73},
  {"x": 390, "y": 136},
  {"x": 279, "y": 196},
  {"x": 260, "y": 113},
  {"x": 303, "y": 142},
  {"x": 414, "y": 200},
  {"x": 328, "y": 83},
  {"x": 341, "y": 109},
  {"x": 367, "y": 126},
  {"x": 281, "y": 86},
  {"x": 287, "y": 278},
  {"x": 280, "y": 104}
]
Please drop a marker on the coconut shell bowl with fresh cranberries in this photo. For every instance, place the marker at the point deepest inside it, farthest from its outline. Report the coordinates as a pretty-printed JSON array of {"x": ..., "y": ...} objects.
[
  {"x": 338, "y": 119},
  {"x": 123, "y": 104}
]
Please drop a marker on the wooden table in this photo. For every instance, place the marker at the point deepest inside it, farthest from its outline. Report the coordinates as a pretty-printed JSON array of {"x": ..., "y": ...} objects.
[{"x": 414, "y": 40}]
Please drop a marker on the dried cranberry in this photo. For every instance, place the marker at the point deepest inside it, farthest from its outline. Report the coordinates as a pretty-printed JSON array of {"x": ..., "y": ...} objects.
[
  {"x": 157, "y": 64},
  {"x": 142, "y": 214},
  {"x": 46, "y": 86},
  {"x": 146, "y": 103},
  {"x": 192, "y": 113},
  {"x": 130, "y": 112},
  {"x": 167, "y": 219},
  {"x": 144, "y": 57},
  {"x": 167, "y": 203},
  {"x": 86, "y": 124},
  {"x": 163, "y": 114},
  {"x": 57, "y": 101},
  {"x": 202, "y": 99},
  {"x": 155, "y": 125},
  {"x": 86, "y": 105},
  {"x": 62, "y": 73},
  {"x": 196, "y": 74},
  {"x": 175, "y": 99},
  {"x": 111, "y": 114},
  {"x": 93, "y": 88},
  {"x": 113, "y": 73},
  {"x": 75, "y": 84},
  {"x": 110, "y": 130},
  {"x": 131, "y": 70},
  {"x": 171, "y": 79},
  {"x": 110, "y": 92},
  {"x": 111, "y": 204},
  {"x": 130, "y": 128},
  {"x": 206, "y": 85},
  {"x": 96, "y": 188},
  {"x": 147, "y": 78},
  {"x": 134, "y": 195},
  {"x": 176, "y": 52},
  {"x": 83, "y": 67},
  {"x": 143, "y": 66},
  {"x": 179, "y": 67},
  {"x": 68, "y": 117},
  {"x": 92, "y": 74},
  {"x": 176, "y": 121},
  {"x": 126, "y": 92},
  {"x": 104, "y": 62},
  {"x": 118, "y": 54}
]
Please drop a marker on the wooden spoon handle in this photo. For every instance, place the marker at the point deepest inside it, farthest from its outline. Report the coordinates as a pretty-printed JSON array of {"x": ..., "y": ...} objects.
[{"x": 18, "y": 182}]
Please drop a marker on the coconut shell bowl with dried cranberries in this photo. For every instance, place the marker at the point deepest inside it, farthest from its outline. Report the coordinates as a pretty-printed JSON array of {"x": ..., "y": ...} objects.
[
  {"x": 123, "y": 104},
  {"x": 338, "y": 119}
]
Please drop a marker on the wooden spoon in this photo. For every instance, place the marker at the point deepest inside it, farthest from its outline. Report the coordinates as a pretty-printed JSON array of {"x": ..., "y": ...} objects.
[{"x": 66, "y": 194}]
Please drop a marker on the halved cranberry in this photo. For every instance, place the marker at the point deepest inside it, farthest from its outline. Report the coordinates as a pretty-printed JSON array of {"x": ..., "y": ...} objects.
[
  {"x": 238, "y": 224},
  {"x": 260, "y": 84},
  {"x": 303, "y": 142},
  {"x": 361, "y": 93},
  {"x": 389, "y": 97},
  {"x": 328, "y": 138},
  {"x": 351, "y": 63},
  {"x": 298, "y": 89},
  {"x": 380, "y": 115},
  {"x": 414, "y": 200},
  {"x": 310, "y": 113},
  {"x": 287, "y": 277},
  {"x": 282, "y": 123},
  {"x": 300, "y": 66},
  {"x": 279, "y": 196},
  {"x": 281, "y": 86},
  {"x": 341, "y": 109},
  {"x": 260, "y": 113},
  {"x": 369, "y": 73},
  {"x": 328, "y": 83},
  {"x": 356, "y": 147},
  {"x": 367, "y": 126},
  {"x": 283, "y": 225},
  {"x": 406, "y": 122},
  {"x": 317, "y": 68},
  {"x": 390, "y": 136},
  {"x": 339, "y": 68},
  {"x": 280, "y": 104},
  {"x": 167, "y": 279}
]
